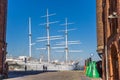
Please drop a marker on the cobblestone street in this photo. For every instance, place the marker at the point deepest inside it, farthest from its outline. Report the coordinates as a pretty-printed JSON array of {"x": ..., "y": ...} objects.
[{"x": 61, "y": 75}]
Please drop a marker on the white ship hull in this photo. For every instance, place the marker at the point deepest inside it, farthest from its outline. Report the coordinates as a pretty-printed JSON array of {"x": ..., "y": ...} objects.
[
  {"x": 20, "y": 65},
  {"x": 50, "y": 66}
]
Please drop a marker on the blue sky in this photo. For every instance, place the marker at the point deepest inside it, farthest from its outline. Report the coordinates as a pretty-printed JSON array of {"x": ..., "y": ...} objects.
[{"x": 81, "y": 12}]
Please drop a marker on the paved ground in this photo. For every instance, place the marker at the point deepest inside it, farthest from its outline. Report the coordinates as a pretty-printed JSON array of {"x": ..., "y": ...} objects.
[{"x": 62, "y": 75}]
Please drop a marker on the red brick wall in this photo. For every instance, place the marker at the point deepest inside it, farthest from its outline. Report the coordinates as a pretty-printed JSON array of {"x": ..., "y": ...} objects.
[
  {"x": 3, "y": 13},
  {"x": 111, "y": 27}
]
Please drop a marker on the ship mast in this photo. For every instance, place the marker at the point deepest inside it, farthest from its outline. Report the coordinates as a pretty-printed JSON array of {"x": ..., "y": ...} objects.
[
  {"x": 66, "y": 42},
  {"x": 48, "y": 35},
  {"x": 48, "y": 32},
  {"x": 66, "y": 37},
  {"x": 30, "y": 38}
]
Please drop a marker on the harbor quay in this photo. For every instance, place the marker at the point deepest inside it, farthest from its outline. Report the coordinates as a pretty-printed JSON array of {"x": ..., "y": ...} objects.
[{"x": 51, "y": 75}]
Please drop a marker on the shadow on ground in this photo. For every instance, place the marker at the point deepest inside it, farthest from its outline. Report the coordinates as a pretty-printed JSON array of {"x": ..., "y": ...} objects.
[{"x": 14, "y": 74}]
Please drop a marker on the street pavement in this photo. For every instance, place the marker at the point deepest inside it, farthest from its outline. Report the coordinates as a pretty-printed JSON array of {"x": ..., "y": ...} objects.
[{"x": 52, "y": 75}]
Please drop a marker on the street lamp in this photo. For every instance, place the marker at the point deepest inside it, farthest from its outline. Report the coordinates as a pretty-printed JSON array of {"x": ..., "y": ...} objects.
[{"x": 91, "y": 55}]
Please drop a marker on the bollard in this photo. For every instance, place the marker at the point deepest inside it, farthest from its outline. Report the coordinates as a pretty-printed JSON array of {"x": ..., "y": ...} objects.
[
  {"x": 90, "y": 69},
  {"x": 95, "y": 73},
  {"x": 86, "y": 71}
]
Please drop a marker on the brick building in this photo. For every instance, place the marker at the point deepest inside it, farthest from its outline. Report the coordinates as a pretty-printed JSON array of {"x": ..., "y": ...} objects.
[
  {"x": 108, "y": 37},
  {"x": 3, "y": 16}
]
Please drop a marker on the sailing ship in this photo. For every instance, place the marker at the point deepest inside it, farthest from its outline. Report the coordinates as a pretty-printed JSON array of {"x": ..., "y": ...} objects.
[{"x": 29, "y": 63}]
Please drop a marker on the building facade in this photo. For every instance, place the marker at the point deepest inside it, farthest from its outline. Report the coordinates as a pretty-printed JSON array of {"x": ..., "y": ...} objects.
[
  {"x": 108, "y": 37},
  {"x": 3, "y": 17}
]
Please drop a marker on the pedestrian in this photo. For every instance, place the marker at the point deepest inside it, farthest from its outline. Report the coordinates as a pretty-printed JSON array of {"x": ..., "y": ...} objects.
[
  {"x": 25, "y": 68},
  {"x": 43, "y": 68}
]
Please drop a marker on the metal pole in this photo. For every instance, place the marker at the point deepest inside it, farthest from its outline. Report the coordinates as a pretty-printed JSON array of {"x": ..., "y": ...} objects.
[
  {"x": 106, "y": 61},
  {"x": 106, "y": 56}
]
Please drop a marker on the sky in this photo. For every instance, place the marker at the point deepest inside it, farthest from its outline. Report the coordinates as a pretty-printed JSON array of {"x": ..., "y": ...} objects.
[{"x": 80, "y": 12}]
